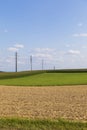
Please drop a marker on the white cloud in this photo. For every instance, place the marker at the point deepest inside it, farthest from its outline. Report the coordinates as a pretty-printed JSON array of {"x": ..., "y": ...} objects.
[
  {"x": 73, "y": 52},
  {"x": 8, "y": 61},
  {"x": 67, "y": 45},
  {"x": 75, "y": 35},
  {"x": 60, "y": 59},
  {"x": 22, "y": 62},
  {"x": 19, "y": 46},
  {"x": 44, "y": 49},
  {"x": 13, "y": 49},
  {"x": 16, "y": 47},
  {"x": 84, "y": 46},
  {"x": 83, "y": 35},
  {"x": 43, "y": 53},
  {"x": 80, "y": 35},
  {"x": 5, "y": 30},
  {"x": 80, "y": 24}
]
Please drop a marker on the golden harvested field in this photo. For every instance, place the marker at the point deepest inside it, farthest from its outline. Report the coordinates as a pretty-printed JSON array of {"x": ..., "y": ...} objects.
[{"x": 69, "y": 102}]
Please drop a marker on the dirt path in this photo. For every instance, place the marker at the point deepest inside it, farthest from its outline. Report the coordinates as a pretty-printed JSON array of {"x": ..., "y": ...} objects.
[{"x": 44, "y": 102}]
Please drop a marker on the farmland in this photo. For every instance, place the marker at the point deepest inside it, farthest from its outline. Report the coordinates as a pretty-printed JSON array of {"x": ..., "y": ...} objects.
[
  {"x": 49, "y": 101},
  {"x": 43, "y": 78},
  {"x": 45, "y": 102},
  {"x": 43, "y": 107}
]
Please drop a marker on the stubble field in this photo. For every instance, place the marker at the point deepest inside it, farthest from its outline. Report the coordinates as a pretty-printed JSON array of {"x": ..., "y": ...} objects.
[{"x": 69, "y": 102}]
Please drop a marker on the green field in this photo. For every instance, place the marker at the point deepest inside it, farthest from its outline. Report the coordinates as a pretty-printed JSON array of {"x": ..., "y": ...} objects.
[
  {"x": 26, "y": 124},
  {"x": 43, "y": 79}
]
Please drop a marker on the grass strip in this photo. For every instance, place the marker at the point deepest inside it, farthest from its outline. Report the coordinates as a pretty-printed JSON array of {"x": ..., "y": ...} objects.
[
  {"x": 27, "y": 124},
  {"x": 47, "y": 79}
]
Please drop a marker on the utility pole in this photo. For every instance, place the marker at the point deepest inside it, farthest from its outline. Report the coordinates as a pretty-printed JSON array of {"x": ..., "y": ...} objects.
[
  {"x": 54, "y": 67},
  {"x": 16, "y": 62},
  {"x": 31, "y": 62}
]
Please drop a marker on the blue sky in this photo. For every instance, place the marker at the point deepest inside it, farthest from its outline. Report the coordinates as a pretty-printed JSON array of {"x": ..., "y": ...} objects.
[{"x": 54, "y": 31}]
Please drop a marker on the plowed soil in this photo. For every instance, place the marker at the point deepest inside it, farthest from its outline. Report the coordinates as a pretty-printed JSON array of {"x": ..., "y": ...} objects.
[{"x": 69, "y": 102}]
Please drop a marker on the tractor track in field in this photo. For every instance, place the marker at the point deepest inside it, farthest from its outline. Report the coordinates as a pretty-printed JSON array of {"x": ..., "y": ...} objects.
[{"x": 69, "y": 102}]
